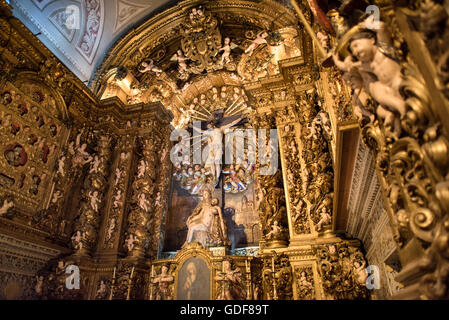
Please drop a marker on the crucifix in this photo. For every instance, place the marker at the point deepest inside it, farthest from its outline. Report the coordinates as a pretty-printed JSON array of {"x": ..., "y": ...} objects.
[{"x": 213, "y": 156}]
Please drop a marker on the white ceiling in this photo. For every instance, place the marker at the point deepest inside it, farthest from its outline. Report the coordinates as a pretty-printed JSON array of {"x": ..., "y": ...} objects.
[{"x": 82, "y": 43}]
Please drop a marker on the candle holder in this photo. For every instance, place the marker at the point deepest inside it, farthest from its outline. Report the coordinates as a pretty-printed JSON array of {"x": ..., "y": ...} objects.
[
  {"x": 275, "y": 293},
  {"x": 152, "y": 277},
  {"x": 273, "y": 274},
  {"x": 248, "y": 279},
  {"x": 129, "y": 284},
  {"x": 112, "y": 286}
]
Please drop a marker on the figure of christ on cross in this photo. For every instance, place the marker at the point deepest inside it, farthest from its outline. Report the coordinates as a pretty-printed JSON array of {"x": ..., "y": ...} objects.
[{"x": 217, "y": 128}]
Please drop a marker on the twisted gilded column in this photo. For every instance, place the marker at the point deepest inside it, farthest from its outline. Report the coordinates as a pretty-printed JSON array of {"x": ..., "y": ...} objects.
[
  {"x": 116, "y": 203},
  {"x": 162, "y": 193},
  {"x": 403, "y": 117},
  {"x": 138, "y": 236},
  {"x": 270, "y": 196},
  {"x": 92, "y": 198},
  {"x": 294, "y": 172}
]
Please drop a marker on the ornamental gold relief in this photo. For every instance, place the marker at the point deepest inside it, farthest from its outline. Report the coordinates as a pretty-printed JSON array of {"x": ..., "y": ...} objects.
[{"x": 402, "y": 121}]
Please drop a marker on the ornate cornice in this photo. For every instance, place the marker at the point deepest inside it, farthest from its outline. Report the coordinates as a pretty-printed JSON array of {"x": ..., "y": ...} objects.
[{"x": 160, "y": 30}]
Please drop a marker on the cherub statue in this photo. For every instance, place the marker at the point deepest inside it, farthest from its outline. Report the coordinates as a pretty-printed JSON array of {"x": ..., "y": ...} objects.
[
  {"x": 325, "y": 218},
  {"x": 143, "y": 202},
  {"x": 164, "y": 154},
  {"x": 260, "y": 39},
  {"x": 141, "y": 169},
  {"x": 360, "y": 272},
  {"x": 95, "y": 164},
  {"x": 157, "y": 201},
  {"x": 380, "y": 73},
  {"x": 80, "y": 155},
  {"x": 118, "y": 175},
  {"x": 181, "y": 60},
  {"x": 56, "y": 196},
  {"x": 298, "y": 210},
  {"x": 77, "y": 240},
  {"x": 276, "y": 230},
  {"x": 129, "y": 242},
  {"x": 6, "y": 206},
  {"x": 303, "y": 282},
  {"x": 61, "y": 165},
  {"x": 94, "y": 200},
  {"x": 313, "y": 132},
  {"x": 38, "y": 288},
  {"x": 118, "y": 199},
  {"x": 228, "y": 46},
  {"x": 110, "y": 228},
  {"x": 123, "y": 156},
  {"x": 146, "y": 66},
  {"x": 325, "y": 122},
  {"x": 102, "y": 291}
]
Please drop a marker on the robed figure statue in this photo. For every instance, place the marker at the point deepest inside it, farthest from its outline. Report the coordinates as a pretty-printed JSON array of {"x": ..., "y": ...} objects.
[{"x": 206, "y": 223}]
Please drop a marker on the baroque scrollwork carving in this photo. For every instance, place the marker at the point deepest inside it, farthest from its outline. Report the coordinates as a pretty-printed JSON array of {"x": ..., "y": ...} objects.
[
  {"x": 406, "y": 131},
  {"x": 201, "y": 41},
  {"x": 318, "y": 175},
  {"x": 305, "y": 283},
  {"x": 142, "y": 210},
  {"x": 294, "y": 173},
  {"x": 88, "y": 221},
  {"x": 340, "y": 267},
  {"x": 122, "y": 281},
  {"x": 277, "y": 277},
  {"x": 118, "y": 199}
]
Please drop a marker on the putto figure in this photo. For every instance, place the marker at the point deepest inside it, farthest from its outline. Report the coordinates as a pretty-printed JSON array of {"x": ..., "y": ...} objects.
[
  {"x": 260, "y": 39},
  {"x": 149, "y": 66},
  {"x": 6, "y": 206},
  {"x": 227, "y": 47},
  {"x": 379, "y": 73}
]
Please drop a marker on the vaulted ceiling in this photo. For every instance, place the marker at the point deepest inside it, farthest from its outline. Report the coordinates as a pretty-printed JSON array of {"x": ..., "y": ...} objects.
[{"x": 83, "y": 43}]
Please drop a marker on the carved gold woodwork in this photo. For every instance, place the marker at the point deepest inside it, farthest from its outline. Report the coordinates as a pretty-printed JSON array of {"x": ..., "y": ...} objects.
[
  {"x": 270, "y": 198},
  {"x": 201, "y": 39},
  {"x": 240, "y": 270},
  {"x": 185, "y": 45},
  {"x": 412, "y": 166},
  {"x": 140, "y": 216},
  {"x": 113, "y": 222},
  {"x": 277, "y": 277},
  {"x": 294, "y": 175},
  {"x": 86, "y": 228},
  {"x": 410, "y": 145},
  {"x": 342, "y": 269},
  {"x": 32, "y": 132}
]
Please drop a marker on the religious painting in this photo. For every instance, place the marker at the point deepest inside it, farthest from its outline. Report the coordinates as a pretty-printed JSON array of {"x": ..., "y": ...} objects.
[
  {"x": 242, "y": 218},
  {"x": 194, "y": 280}
]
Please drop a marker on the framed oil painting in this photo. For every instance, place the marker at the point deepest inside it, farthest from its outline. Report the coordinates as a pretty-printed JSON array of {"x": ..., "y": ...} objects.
[{"x": 194, "y": 280}]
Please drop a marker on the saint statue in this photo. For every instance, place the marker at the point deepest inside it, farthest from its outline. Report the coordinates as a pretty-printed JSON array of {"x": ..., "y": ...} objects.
[
  {"x": 206, "y": 223},
  {"x": 230, "y": 279},
  {"x": 163, "y": 282}
]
